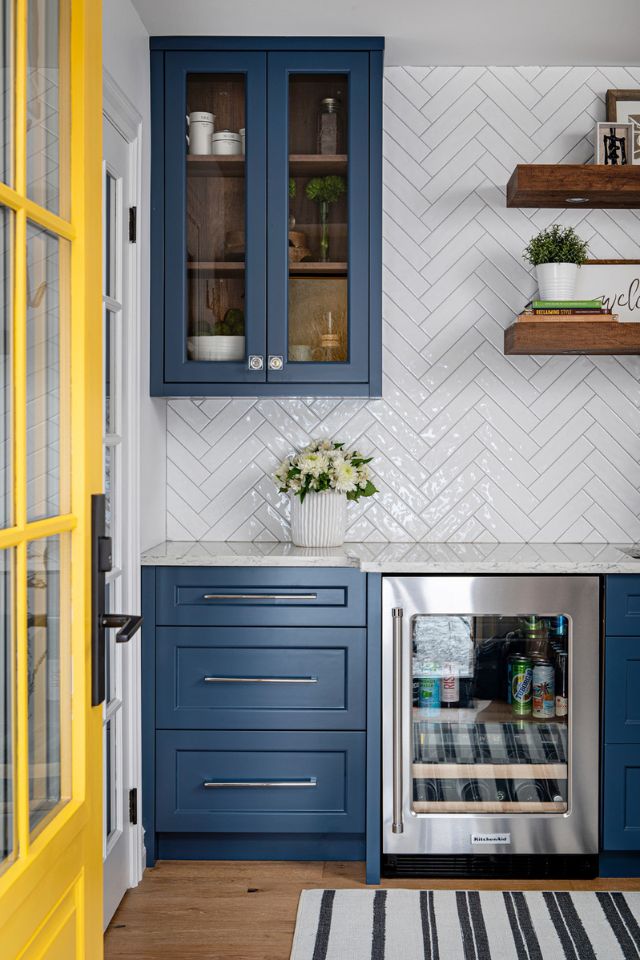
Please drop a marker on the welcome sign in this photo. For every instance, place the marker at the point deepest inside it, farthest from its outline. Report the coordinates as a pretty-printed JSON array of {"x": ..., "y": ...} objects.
[{"x": 617, "y": 282}]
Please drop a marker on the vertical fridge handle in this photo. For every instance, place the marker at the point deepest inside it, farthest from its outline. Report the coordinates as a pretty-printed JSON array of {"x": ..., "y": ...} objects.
[{"x": 397, "y": 825}]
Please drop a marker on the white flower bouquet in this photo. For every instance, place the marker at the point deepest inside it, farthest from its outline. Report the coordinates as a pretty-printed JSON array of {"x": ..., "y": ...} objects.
[{"x": 325, "y": 465}]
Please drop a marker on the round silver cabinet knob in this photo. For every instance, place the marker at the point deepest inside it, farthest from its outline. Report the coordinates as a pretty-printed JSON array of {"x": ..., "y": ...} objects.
[
  {"x": 276, "y": 363},
  {"x": 256, "y": 362}
]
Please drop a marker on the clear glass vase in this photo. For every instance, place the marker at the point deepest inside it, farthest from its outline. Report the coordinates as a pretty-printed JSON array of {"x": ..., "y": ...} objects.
[{"x": 324, "y": 231}]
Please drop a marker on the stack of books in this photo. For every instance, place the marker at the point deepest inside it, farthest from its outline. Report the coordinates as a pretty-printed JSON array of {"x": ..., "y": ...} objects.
[{"x": 567, "y": 311}]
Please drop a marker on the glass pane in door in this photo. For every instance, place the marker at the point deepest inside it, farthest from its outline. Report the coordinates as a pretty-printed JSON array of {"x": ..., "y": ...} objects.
[
  {"x": 216, "y": 217},
  {"x": 490, "y": 713},
  {"x": 318, "y": 229},
  {"x": 6, "y": 707},
  {"x": 48, "y": 104},
  {"x": 47, "y": 317},
  {"x": 6, "y": 91},
  {"x": 48, "y": 682},
  {"x": 6, "y": 458}
]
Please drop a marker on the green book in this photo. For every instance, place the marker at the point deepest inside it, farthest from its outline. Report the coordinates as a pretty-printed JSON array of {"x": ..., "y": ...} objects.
[{"x": 565, "y": 304}]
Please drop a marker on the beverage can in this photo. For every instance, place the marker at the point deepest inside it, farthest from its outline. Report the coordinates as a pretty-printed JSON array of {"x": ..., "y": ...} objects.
[
  {"x": 562, "y": 684},
  {"x": 429, "y": 692},
  {"x": 521, "y": 674},
  {"x": 544, "y": 697},
  {"x": 450, "y": 690}
]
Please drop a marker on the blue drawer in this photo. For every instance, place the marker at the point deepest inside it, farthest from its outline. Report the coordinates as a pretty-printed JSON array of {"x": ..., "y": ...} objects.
[
  {"x": 621, "y": 807},
  {"x": 622, "y": 605},
  {"x": 622, "y": 690},
  {"x": 306, "y": 782},
  {"x": 249, "y": 596},
  {"x": 294, "y": 678}
]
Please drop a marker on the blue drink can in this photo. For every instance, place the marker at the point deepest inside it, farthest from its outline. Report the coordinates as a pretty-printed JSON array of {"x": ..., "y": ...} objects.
[{"x": 429, "y": 695}]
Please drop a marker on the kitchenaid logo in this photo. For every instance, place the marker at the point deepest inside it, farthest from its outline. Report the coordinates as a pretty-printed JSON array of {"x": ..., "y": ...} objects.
[{"x": 490, "y": 838}]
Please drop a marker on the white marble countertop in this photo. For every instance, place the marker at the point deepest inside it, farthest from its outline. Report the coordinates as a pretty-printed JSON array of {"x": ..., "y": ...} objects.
[{"x": 594, "y": 558}]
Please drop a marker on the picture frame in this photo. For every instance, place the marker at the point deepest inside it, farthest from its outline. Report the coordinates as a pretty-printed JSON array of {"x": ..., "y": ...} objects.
[
  {"x": 617, "y": 282},
  {"x": 614, "y": 143},
  {"x": 623, "y": 106}
]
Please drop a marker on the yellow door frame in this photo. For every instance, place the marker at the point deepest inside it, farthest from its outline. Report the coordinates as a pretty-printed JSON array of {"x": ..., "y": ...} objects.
[{"x": 51, "y": 888}]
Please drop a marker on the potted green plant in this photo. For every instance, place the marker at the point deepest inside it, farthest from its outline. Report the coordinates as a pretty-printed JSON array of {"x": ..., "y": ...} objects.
[
  {"x": 325, "y": 191},
  {"x": 556, "y": 253}
]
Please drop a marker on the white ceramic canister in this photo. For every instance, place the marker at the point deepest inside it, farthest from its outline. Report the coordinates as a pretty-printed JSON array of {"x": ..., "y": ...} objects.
[
  {"x": 226, "y": 143},
  {"x": 241, "y": 131},
  {"x": 200, "y": 131}
]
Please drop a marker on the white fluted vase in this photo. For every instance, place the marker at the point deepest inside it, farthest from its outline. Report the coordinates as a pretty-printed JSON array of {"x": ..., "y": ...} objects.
[{"x": 320, "y": 521}]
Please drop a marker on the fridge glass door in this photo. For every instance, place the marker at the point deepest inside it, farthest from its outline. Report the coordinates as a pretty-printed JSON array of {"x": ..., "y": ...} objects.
[{"x": 490, "y": 710}]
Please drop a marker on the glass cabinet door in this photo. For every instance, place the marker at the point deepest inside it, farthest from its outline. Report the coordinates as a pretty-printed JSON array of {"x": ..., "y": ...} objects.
[
  {"x": 490, "y": 714},
  {"x": 318, "y": 217},
  {"x": 215, "y": 181}
]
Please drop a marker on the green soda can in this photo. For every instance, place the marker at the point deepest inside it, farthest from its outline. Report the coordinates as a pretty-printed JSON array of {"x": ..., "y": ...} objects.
[{"x": 521, "y": 677}]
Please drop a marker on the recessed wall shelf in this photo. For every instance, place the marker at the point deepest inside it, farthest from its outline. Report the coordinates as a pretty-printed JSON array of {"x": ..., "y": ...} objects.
[
  {"x": 574, "y": 185},
  {"x": 533, "y": 337}
]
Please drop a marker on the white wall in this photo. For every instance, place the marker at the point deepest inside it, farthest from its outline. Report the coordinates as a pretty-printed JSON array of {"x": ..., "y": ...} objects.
[
  {"x": 468, "y": 444},
  {"x": 126, "y": 59}
]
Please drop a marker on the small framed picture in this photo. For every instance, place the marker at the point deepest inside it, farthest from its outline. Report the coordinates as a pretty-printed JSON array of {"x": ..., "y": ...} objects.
[
  {"x": 614, "y": 145},
  {"x": 623, "y": 106}
]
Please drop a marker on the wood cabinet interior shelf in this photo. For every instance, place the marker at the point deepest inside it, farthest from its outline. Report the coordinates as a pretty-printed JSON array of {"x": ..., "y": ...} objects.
[
  {"x": 219, "y": 268},
  {"x": 317, "y": 164},
  {"x": 574, "y": 185},
  {"x": 599, "y": 338},
  {"x": 318, "y": 269},
  {"x": 300, "y": 165},
  {"x": 218, "y": 165}
]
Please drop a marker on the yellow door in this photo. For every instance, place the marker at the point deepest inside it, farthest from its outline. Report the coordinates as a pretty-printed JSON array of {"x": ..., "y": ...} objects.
[{"x": 50, "y": 464}]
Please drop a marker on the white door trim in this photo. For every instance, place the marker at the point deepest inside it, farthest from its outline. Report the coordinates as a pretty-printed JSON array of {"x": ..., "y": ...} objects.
[{"x": 122, "y": 114}]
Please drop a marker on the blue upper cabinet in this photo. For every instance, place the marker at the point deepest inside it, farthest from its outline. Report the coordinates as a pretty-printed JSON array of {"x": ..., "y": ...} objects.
[{"x": 266, "y": 217}]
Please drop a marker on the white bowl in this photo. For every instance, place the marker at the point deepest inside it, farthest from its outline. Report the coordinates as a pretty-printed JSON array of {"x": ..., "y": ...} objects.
[{"x": 215, "y": 348}]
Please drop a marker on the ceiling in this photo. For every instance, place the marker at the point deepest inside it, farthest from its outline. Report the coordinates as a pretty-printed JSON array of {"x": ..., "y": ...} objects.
[{"x": 426, "y": 32}]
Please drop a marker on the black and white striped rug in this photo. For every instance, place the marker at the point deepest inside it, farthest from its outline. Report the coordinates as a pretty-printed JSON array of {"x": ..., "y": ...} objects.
[{"x": 466, "y": 925}]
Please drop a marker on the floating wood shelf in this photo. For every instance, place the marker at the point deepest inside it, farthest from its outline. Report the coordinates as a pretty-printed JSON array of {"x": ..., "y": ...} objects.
[
  {"x": 574, "y": 185},
  {"x": 312, "y": 268},
  {"x": 209, "y": 165},
  {"x": 317, "y": 164},
  {"x": 531, "y": 337}
]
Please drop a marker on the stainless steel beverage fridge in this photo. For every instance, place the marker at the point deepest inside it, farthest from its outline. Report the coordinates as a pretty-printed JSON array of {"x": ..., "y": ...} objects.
[{"x": 490, "y": 725}]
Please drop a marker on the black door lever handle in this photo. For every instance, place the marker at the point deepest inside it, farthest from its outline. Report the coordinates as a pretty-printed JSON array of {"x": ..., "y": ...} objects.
[{"x": 128, "y": 623}]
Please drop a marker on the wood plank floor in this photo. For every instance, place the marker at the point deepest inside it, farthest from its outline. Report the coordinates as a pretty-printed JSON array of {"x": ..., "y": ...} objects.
[{"x": 222, "y": 910}]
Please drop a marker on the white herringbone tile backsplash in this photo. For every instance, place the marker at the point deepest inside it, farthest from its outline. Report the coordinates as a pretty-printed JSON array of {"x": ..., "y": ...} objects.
[{"x": 468, "y": 444}]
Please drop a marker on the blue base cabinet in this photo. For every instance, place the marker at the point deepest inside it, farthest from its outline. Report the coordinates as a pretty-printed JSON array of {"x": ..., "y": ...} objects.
[
  {"x": 266, "y": 216},
  {"x": 255, "y": 713},
  {"x": 621, "y": 721}
]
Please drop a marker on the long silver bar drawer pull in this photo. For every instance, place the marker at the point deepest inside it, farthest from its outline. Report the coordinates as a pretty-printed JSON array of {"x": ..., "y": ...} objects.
[
  {"x": 397, "y": 825},
  {"x": 220, "y": 784},
  {"x": 260, "y": 679},
  {"x": 260, "y": 596}
]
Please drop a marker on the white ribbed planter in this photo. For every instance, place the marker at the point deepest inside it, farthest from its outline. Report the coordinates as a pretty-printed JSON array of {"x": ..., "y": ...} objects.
[
  {"x": 557, "y": 281},
  {"x": 320, "y": 521}
]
